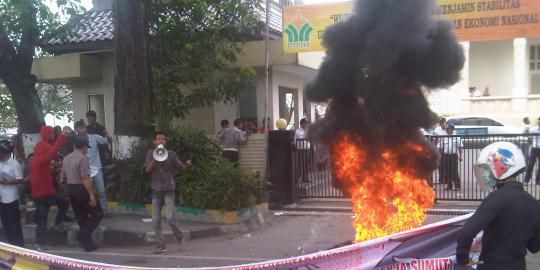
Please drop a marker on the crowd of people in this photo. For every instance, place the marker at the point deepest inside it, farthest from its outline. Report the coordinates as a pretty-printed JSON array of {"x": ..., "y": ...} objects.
[
  {"x": 64, "y": 169},
  {"x": 451, "y": 150},
  {"x": 474, "y": 92},
  {"x": 75, "y": 158},
  {"x": 233, "y": 136}
]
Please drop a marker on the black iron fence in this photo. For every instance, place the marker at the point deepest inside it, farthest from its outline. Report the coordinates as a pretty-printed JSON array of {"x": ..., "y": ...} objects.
[
  {"x": 453, "y": 180},
  {"x": 312, "y": 175}
]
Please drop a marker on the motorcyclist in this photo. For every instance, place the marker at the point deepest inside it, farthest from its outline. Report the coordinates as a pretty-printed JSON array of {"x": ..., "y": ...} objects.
[{"x": 509, "y": 216}]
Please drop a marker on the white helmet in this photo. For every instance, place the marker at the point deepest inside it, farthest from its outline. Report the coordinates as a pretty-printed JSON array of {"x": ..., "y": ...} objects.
[{"x": 496, "y": 163}]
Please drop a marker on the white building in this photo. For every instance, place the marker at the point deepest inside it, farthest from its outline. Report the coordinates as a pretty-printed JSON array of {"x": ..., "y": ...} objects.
[
  {"x": 511, "y": 71},
  {"x": 509, "y": 67},
  {"x": 86, "y": 63}
]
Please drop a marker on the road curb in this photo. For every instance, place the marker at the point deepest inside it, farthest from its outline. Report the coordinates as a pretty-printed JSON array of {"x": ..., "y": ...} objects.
[{"x": 104, "y": 236}]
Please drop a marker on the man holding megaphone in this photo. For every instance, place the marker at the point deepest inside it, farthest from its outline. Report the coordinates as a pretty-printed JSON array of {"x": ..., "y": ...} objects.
[{"x": 160, "y": 164}]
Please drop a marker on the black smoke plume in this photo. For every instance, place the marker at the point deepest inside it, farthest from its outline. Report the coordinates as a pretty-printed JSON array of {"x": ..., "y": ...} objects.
[{"x": 379, "y": 63}]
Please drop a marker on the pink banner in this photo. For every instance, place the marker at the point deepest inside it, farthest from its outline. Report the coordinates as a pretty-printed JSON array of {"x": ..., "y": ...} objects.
[{"x": 430, "y": 247}]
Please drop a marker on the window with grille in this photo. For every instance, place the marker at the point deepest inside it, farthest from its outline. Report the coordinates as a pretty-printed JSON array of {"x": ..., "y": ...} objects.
[
  {"x": 534, "y": 69},
  {"x": 534, "y": 58},
  {"x": 96, "y": 103}
]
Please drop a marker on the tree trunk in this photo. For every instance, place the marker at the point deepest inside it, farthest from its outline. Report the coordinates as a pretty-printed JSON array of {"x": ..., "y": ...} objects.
[
  {"x": 16, "y": 73},
  {"x": 28, "y": 108},
  {"x": 27, "y": 104},
  {"x": 133, "y": 96}
]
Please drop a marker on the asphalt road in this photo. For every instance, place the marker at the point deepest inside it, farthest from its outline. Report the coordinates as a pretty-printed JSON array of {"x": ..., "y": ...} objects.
[{"x": 284, "y": 236}]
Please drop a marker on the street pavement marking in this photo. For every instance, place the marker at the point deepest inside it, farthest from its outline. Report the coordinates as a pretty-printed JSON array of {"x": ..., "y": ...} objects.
[{"x": 112, "y": 254}]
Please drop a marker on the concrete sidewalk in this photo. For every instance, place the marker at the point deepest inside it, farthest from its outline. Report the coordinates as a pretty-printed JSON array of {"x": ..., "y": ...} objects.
[
  {"x": 129, "y": 230},
  {"x": 136, "y": 229}
]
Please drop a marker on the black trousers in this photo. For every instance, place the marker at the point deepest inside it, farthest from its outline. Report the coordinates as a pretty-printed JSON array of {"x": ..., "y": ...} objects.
[
  {"x": 232, "y": 156},
  {"x": 442, "y": 180},
  {"x": 43, "y": 204},
  {"x": 11, "y": 221},
  {"x": 304, "y": 159},
  {"x": 534, "y": 155},
  {"x": 88, "y": 217},
  {"x": 450, "y": 170}
]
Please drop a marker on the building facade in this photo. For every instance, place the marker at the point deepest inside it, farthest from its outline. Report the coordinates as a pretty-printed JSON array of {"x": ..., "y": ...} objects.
[{"x": 85, "y": 61}]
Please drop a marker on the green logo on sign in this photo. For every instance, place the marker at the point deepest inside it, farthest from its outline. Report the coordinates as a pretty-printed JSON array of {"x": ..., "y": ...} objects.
[{"x": 298, "y": 36}]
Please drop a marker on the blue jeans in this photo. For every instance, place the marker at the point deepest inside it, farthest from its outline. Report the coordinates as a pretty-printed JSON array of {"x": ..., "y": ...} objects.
[
  {"x": 158, "y": 199},
  {"x": 99, "y": 186}
]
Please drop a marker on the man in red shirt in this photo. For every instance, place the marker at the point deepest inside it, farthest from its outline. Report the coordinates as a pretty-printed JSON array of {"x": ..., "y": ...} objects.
[{"x": 43, "y": 192}]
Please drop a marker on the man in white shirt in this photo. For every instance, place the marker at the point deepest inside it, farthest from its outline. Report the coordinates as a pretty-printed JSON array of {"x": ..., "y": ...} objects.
[
  {"x": 526, "y": 130},
  {"x": 440, "y": 131},
  {"x": 452, "y": 154},
  {"x": 10, "y": 176},
  {"x": 534, "y": 155},
  {"x": 526, "y": 125},
  {"x": 303, "y": 148}
]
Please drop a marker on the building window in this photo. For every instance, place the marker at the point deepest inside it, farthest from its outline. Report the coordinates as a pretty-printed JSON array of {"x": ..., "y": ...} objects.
[
  {"x": 288, "y": 102},
  {"x": 96, "y": 102},
  {"x": 247, "y": 104},
  {"x": 534, "y": 69},
  {"x": 534, "y": 58}
]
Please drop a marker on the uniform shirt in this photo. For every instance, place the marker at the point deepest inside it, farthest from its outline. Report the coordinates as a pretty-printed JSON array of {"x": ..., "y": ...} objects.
[
  {"x": 162, "y": 179},
  {"x": 439, "y": 131},
  {"x": 450, "y": 145},
  {"x": 536, "y": 138},
  {"x": 93, "y": 152},
  {"x": 9, "y": 193},
  {"x": 301, "y": 134},
  {"x": 232, "y": 138},
  {"x": 75, "y": 167},
  {"x": 510, "y": 219}
]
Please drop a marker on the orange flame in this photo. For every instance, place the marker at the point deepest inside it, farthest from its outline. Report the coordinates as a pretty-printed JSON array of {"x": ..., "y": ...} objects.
[{"x": 386, "y": 198}]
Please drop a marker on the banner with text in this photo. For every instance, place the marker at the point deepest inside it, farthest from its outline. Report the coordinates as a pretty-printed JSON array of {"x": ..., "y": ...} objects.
[
  {"x": 474, "y": 20},
  {"x": 430, "y": 247},
  {"x": 303, "y": 26}
]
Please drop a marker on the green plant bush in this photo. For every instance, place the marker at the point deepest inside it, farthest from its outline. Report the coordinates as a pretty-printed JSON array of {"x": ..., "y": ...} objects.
[
  {"x": 211, "y": 185},
  {"x": 212, "y": 182}
]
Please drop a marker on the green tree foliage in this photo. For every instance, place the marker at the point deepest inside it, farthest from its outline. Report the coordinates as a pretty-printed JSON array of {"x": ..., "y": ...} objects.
[
  {"x": 20, "y": 18},
  {"x": 24, "y": 24},
  {"x": 195, "y": 53},
  {"x": 212, "y": 182},
  {"x": 55, "y": 99},
  {"x": 8, "y": 118}
]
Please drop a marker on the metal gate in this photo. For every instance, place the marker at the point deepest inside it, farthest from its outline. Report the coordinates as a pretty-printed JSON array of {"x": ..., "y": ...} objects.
[
  {"x": 453, "y": 180},
  {"x": 312, "y": 175}
]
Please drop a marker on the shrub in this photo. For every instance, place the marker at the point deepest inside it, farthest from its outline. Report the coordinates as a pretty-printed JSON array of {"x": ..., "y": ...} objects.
[
  {"x": 211, "y": 185},
  {"x": 126, "y": 181},
  {"x": 212, "y": 182}
]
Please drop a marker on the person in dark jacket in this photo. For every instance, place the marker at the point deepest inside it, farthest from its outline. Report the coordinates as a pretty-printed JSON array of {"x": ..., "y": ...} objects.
[{"x": 509, "y": 217}]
